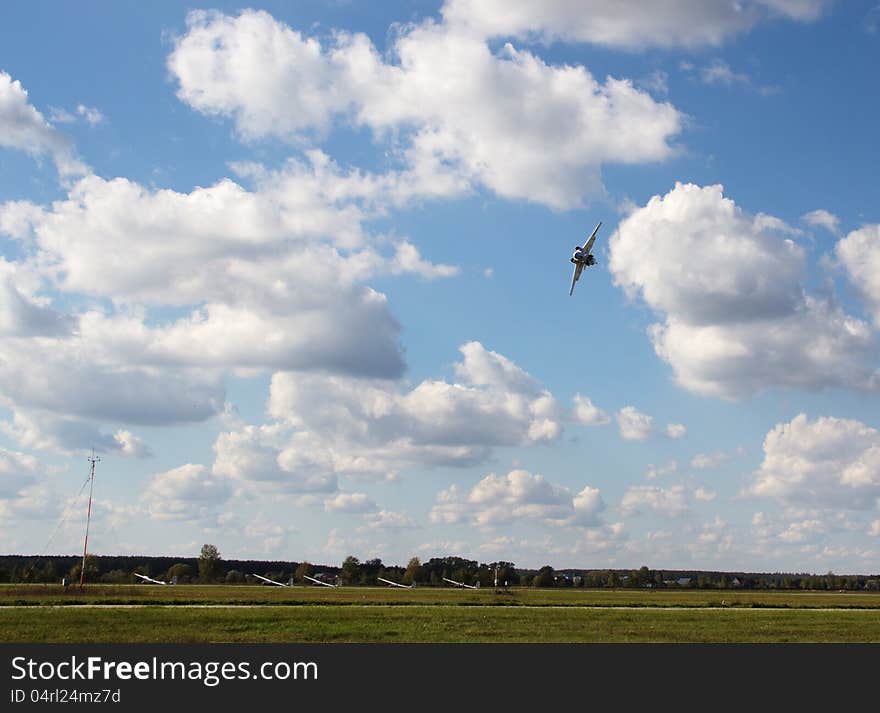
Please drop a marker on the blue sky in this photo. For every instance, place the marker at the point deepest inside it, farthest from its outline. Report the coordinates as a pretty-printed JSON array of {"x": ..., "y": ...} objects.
[{"x": 299, "y": 273}]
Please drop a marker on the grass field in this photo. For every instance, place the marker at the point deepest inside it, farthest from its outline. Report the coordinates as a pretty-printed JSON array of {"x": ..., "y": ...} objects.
[{"x": 142, "y": 613}]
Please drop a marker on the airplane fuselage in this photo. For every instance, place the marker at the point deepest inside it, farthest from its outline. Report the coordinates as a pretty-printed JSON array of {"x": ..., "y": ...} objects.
[{"x": 587, "y": 259}]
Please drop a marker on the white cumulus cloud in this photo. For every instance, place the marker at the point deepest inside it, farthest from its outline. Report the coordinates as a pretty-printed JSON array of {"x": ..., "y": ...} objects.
[
  {"x": 389, "y": 520},
  {"x": 704, "y": 461},
  {"x": 587, "y": 413},
  {"x": 361, "y": 426},
  {"x": 89, "y": 114},
  {"x": 17, "y": 471},
  {"x": 704, "y": 495},
  {"x": 24, "y": 128},
  {"x": 859, "y": 253},
  {"x": 265, "y": 278},
  {"x": 188, "y": 492},
  {"x": 256, "y": 455},
  {"x": 729, "y": 288},
  {"x": 324, "y": 427},
  {"x": 503, "y": 119},
  {"x": 350, "y": 503},
  {"x": 672, "y": 501},
  {"x": 655, "y": 471},
  {"x": 828, "y": 462},
  {"x": 130, "y": 445},
  {"x": 499, "y": 499},
  {"x": 633, "y": 424},
  {"x": 823, "y": 219},
  {"x": 632, "y": 25},
  {"x": 718, "y": 72},
  {"x": 676, "y": 430}
]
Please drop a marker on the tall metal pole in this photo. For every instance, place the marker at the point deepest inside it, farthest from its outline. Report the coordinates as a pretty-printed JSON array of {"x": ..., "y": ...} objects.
[{"x": 82, "y": 572}]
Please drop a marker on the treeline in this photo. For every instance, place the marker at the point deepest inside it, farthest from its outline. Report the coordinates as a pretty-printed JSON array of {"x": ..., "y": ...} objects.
[
  {"x": 118, "y": 569},
  {"x": 697, "y": 579},
  {"x": 210, "y": 568}
]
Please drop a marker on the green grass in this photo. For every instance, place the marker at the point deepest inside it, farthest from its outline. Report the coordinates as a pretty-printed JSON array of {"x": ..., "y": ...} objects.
[
  {"x": 46, "y": 613},
  {"x": 322, "y": 596},
  {"x": 332, "y": 623}
]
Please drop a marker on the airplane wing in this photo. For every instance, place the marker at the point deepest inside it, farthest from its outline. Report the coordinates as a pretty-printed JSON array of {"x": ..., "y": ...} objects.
[
  {"x": 578, "y": 269},
  {"x": 588, "y": 246},
  {"x": 270, "y": 581},
  {"x": 459, "y": 584},
  {"x": 149, "y": 579},
  {"x": 318, "y": 581},
  {"x": 393, "y": 584}
]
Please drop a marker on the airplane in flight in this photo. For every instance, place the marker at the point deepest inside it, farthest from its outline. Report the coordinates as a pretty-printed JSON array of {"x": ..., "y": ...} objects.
[
  {"x": 462, "y": 584},
  {"x": 150, "y": 579},
  {"x": 271, "y": 581},
  {"x": 583, "y": 257}
]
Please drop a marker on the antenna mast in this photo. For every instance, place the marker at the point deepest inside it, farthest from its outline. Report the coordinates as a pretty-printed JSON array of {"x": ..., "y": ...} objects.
[{"x": 82, "y": 572}]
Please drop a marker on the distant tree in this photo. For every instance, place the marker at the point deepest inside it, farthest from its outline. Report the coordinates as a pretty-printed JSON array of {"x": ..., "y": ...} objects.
[
  {"x": 506, "y": 572},
  {"x": 373, "y": 568},
  {"x": 484, "y": 575},
  {"x": 29, "y": 573},
  {"x": 92, "y": 571},
  {"x": 374, "y": 565},
  {"x": 544, "y": 577},
  {"x": 304, "y": 570},
  {"x": 613, "y": 579},
  {"x": 233, "y": 576},
  {"x": 182, "y": 571},
  {"x": 209, "y": 563},
  {"x": 115, "y": 576},
  {"x": 49, "y": 572},
  {"x": 457, "y": 568},
  {"x": 414, "y": 572},
  {"x": 351, "y": 570},
  {"x": 277, "y": 576},
  {"x": 465, "y": 575}
]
